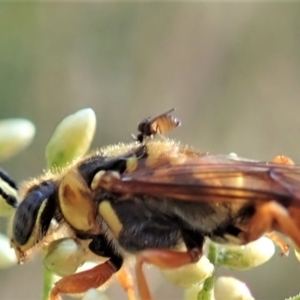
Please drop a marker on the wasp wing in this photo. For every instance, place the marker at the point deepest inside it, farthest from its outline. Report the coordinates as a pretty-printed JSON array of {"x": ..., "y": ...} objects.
[{"x": 212, "y": 178}]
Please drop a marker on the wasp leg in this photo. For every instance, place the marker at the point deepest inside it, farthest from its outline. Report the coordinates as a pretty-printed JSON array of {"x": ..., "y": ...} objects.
[
  {"x": 81, "y": 282},
  {"x": 281, "y": 159},
  {"x": 126, "y": 281},
  {"x": 285, "y": 248},
  {"x": 161, "y": 258},
  {"x": 100, "y": 247},
  {"x": 272, "y": 216}
]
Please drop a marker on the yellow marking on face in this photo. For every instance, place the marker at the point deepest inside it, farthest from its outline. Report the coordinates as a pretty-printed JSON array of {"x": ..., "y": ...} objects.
[
  {"x": 131, "y": 164},
  {"x": 110, "y": 217}
]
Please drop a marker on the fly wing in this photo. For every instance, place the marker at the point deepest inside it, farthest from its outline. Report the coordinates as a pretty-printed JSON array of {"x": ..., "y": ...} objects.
[{"x": 212, "y": 178}]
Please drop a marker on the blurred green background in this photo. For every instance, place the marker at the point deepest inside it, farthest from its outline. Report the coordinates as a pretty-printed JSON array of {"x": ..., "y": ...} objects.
[{"x": 232, "y": 71}]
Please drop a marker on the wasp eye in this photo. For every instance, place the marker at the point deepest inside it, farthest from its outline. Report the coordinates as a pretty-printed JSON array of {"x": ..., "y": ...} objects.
[
  {"x": 33, "y": 216},
  {"x": 25, "y": 217}
]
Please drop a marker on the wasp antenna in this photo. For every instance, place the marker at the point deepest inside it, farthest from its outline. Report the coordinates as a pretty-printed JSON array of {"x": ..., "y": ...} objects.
[
  {"x": 5, "y": 177},
  {"x": 9, "y": 199}
]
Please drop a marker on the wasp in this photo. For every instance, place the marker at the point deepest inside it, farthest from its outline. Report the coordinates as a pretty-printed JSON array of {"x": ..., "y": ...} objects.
[{"x": 148, "y": 198}]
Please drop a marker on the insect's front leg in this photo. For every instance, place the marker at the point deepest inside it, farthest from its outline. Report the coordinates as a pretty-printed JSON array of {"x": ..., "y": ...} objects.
[
  {"x": 100, "y": 246},
  {"x": 81, "y": 282},
  {"x": 94, "y": 278}
]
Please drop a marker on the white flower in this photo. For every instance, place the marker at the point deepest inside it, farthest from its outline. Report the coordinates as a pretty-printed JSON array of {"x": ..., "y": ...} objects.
[
  {"x": 7, "y": 254},
  {"x": 192, "y": 293},
  {"x": 93, "y": 294},
  {"x": 297, "y": 253},
  {"x": 64, "y": 256},
  {"x": 189, "y": 275},
  {"x": 230, "y": 288},
  {"x": 248, "y": 256},
  {"x": 72, "y": 138},
  {"x": 15, "y": 135}
]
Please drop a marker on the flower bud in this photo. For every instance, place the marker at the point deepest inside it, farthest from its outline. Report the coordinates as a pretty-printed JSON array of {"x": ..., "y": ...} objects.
[
  {"x": 297, "y": 253},
  {"x": 189, "y": 275},
  {"x": 64, "y": 256},
  {"x": 93, "y": 294},
  {"x": 192, "y": 293},
  {"x": 15, "y": 135},
  {"x": 248, "y": 256},
  {"x": 297, "y": 297},
  {"x": 7, "y": 254},
  {"x": 71, "y": 138},
  {"x": 232, "y": 288}
]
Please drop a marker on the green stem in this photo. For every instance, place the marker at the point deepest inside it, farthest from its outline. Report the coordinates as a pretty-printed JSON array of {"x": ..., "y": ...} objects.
[
  {"x": 208, "y": 286},
  {"x": 48, "y": 283}
]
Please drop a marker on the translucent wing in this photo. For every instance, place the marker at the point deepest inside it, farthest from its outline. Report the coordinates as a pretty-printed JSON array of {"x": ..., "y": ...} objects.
[{"x": 211, "y": 178}]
